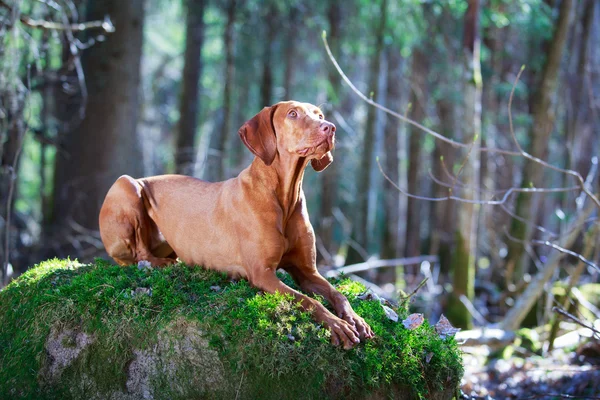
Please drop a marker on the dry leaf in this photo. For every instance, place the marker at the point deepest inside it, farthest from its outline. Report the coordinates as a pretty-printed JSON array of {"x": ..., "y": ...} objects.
[
  {"x": 444, "y": 328},
  {"x": 413, "y": 321},
  {"x": 391, "y": 314}
]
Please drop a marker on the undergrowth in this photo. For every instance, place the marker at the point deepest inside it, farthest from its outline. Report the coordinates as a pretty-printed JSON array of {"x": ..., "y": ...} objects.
[{"x": 264, "y": 340}]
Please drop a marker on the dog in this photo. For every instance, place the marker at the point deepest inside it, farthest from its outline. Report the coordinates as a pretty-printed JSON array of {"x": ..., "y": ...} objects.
[{"x": 248, "y": 226}]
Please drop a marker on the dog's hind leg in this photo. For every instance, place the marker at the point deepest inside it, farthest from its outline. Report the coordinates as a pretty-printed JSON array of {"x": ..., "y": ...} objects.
[{"x": 125, "y": 227}]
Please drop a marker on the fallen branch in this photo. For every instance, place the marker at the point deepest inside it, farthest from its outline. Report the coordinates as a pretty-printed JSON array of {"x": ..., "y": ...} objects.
[
  {"x": 374, "y": 264},
  {"x": 517, "y": 313}
]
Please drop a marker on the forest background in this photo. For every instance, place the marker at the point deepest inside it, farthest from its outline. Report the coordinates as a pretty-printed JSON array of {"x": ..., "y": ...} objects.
[{"x": 489, "y": 191}]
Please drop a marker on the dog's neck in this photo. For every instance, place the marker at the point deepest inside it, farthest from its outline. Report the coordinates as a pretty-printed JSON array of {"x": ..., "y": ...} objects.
[{"x": 287, "y": 171}]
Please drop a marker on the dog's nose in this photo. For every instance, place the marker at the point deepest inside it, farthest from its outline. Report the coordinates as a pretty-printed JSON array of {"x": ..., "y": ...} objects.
[{"x": 327, "y": 128}]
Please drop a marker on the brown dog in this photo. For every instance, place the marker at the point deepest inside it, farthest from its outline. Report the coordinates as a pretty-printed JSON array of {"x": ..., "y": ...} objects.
[{"x": 248, "y": 226}]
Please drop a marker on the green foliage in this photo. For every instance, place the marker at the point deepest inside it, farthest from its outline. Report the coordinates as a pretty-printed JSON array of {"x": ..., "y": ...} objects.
[{"x": 267, "y": 338}]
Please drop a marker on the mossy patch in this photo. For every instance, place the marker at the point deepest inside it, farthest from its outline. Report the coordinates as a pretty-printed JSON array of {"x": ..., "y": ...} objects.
[{"x": 170, "y": 325}]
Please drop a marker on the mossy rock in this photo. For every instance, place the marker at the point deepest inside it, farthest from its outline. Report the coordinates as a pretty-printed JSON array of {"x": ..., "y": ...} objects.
[{"x": 99, "y": 331}]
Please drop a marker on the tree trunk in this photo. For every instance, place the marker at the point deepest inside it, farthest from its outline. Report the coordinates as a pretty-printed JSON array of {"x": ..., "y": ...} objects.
[
  {"x": 266, "y": 87},
  {"x": 543, "y": 122},
  {"x": 228, "y": 90},
  {"x": 580, "y": 94},
  {"x": 106, "y": 144},
  {"x": 463, "y": 261},
  {"x": 290, "y": 50},
  {"x": 391, "y": 219},
  {"x": 442, "y": 237},
  {"x": 513, "y": 319},
  {"x": 418, "y": 103},
  {"x": 358, "y": 250},
  {"x": 330, "y": 177},
  {"x": 189, "y": 107}
]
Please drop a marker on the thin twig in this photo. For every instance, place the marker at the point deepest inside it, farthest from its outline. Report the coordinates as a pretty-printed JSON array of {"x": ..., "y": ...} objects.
[
  {"x": 411, "y": 294},
  {"x": 573, "y": 318},
  {"x": 555, "y": 247},
  {"x": 561, "y": 395},
  {"x": 106, "y": 25},
  {"x": 481, "y": 202},
  {"x": 401, "y": 117},
  {"x": 521, "y": 152},
  {"x": 525, "y": 154},
  {"x": 237, "y": 393}
]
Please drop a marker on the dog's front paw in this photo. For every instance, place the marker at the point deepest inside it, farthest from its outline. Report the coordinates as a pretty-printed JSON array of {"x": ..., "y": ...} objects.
[
  {"x": 342, "y": 333},
  {"x": 359, "y": 324}
]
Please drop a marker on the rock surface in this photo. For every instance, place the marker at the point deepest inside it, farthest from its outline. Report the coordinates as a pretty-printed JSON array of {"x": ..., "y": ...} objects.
[{"x": 105, "y": 332}]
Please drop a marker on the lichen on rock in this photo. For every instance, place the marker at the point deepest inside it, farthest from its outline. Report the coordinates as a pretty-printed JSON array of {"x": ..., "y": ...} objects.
[{"x": 62, "y": 348}]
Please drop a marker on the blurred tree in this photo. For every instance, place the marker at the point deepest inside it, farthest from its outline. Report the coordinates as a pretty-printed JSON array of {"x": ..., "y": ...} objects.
[
  {"x": 266, "y": 86},
  {"x": 217, "y": 162},
  {"x": 465, "y": 252},
  {"x": 105, "y": 145},
  {"x": 543, "y": 123},
  {"x": 390, "y": 245},
  {"x": 330, "y": 177},
  {"x": 360, "y": 226},
  {"x": 579, "y": 156},
  {"x": 13, "y": 94},
  {"x": 418, "y": 102},
  {"x": 185, "y": 148}
]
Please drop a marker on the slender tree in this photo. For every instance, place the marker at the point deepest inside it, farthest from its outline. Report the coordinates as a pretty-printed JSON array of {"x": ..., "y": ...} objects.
[
  {"x": 360, "y": 221},
  {"x": 330, "y": 177},
  {"x": 543, "y": 123},
  {"x": 390, "y": 246},
  {"x": 418, "y": 88},
  {"x": 463, "y": 263},
  {"x": 189, "y": 106},
  {"x": 222, "y": 136},
  {"x": 266, "y": 86}
]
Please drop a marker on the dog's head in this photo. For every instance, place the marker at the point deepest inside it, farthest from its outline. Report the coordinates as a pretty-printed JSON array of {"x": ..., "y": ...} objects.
[{"x": 293, "y": 127}]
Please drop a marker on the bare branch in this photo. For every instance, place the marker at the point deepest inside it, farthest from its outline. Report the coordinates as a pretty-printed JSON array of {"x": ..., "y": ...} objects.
[
  {"x": 411, "y": 294},
  {"x": 573, "y": 318},
  {"x": 521, "y": 152},
  {"x": 555, "y": 247},
  {"x": 401, "y": 117},
  {"x": 106, "y": 25},
  {"x": 525, "y": 154},
  {"x": 481, "y": 202}
]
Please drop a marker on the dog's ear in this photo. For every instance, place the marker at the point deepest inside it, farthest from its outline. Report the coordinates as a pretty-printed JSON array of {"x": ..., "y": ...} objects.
[
  {"x": 320, "y": 164},
  {"x": 258, "y": 134}
]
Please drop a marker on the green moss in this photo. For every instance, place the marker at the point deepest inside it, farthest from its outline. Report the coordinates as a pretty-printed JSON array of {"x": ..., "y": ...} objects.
[{"x": 266, "y": 343}]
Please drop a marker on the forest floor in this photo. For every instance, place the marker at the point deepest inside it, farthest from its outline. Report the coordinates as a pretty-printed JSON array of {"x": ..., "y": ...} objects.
[{"x": 558, "y": 375}]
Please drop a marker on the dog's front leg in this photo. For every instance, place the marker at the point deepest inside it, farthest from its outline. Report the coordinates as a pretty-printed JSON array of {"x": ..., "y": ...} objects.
[
  {"x": 342, "y": 332},
  {"x": 311, "y": 281}
]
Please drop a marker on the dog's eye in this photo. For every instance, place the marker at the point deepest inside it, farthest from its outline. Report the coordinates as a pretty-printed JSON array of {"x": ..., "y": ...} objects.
[
  {"x": 292, "y": 114},
  {"x": 320, "y": 117}
]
